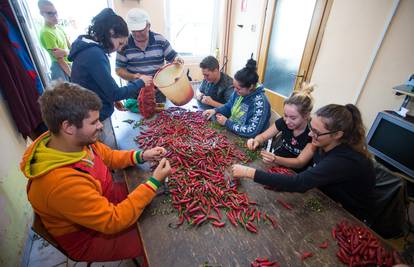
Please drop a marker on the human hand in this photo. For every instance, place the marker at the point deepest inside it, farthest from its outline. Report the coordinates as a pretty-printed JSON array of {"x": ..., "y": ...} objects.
[
  {"x": 240, "y": 171},
  {"x": 209, "y": 113},
  {"x": 155, "y": 153},
  {"x": 146, "y": 79},
  {"x": 268, "y": 157},
  {"x": 199, "y": 96},
  {"x": 162, "y": 171},
  {"x": 58, "y": 53},
  {"x": 221, "y": 119},
  {"x": 252, "y": 143},
  {"x": 178, "y": 60},
  {"x": 206, "y": 100},
  {"x": 119, "y": 106}
]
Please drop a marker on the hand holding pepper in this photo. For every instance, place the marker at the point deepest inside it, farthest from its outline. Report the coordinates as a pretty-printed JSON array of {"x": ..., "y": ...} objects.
[
  {"x": 209, "y": 113},
  {"x": 221, "y": 119},
  {"x": 206, "y": 100},
  {"x": 199, "y": 96},
  {"x": 268, "y": 157},
  {"x": 253, "y": 143},
  {"x": 155, "y": 153},
  {"x": 162, "y": 171},
  {"x": 240, "y": 171}
]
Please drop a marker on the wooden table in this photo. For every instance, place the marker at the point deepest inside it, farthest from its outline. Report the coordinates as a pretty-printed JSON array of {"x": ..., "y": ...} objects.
[{"x": 300, "y": 229}]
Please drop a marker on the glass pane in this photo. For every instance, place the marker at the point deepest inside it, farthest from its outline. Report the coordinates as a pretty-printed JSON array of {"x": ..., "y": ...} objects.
[
  {"x": 191, "y": 26},
  {"x": 287, "y": 41}
]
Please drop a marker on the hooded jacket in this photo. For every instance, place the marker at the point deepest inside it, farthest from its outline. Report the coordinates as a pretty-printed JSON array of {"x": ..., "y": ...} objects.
[
  {"x": 92, "y": 70},
  {"x": 69, "y": 199},
  {"x": 247, "y": 115}
]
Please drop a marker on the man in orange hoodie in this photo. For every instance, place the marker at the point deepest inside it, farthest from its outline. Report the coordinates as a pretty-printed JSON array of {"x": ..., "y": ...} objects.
[{"x": 70, "y": 184}]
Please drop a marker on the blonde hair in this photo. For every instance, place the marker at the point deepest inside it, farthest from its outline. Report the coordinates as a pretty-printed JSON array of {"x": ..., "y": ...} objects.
[{"x": 302, "y": 99}]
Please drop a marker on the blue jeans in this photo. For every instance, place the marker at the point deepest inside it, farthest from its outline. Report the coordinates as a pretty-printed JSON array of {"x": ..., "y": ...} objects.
[{"x": 57, "y": 72}]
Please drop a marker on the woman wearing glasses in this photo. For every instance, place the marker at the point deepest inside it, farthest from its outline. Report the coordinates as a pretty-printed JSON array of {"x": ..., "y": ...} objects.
[
  {"x": 294, "y": 131},
  {"x": 342, "y": 169}
]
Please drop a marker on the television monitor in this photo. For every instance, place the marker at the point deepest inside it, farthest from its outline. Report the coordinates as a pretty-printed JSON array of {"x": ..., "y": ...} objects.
[{"x": 391, "y": 138}]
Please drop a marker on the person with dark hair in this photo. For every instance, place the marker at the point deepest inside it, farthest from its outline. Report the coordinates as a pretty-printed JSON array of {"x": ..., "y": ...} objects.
[
  {"x": 54, "y": 39},
  {"x": 70, "y": 184},
  {"x": 247, "y": 112},
  {"x": 91, "y": 68},
  {"x": 145, "y": 52},
  {"x": 343, "y": 168},
  {"x": 295, "y": 148},
  {"x": 217, "y": 87}
]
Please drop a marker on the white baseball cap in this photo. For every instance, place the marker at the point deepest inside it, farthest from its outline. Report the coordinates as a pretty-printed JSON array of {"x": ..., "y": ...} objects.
[{"x": 137, "y": 19}]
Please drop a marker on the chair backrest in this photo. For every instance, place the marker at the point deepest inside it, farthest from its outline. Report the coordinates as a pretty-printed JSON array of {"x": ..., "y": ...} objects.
[
  {"x": 391, "y": 203},
  {"x": 39, "y": 228}
]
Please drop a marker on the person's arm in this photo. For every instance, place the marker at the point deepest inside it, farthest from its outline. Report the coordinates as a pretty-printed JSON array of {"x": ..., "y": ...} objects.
[
  {"x": 210, "y": 101},
  {"x": 266, "y": 135},
  {"x": 329, "y": 171},
  {"x": 77, "y": 198},
  {"x": 99, "y": 69},
  {"x": 253, "y": 143},
  {"x": 226, "y": 108},
  {"x": 120, "y": 159},
  {"x": 169, "y": 53},
  {"x": 256, "y": 121},
  {"x": 64, "y": 66},
  {"x": 126, "y": 75},
  {"x": 299, "y": 162}
]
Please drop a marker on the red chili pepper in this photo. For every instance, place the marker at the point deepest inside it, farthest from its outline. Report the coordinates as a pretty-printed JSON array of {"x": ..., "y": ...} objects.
[
  {"x": 306, "y": 255},
  {"x": 218, "y": 224},
  {"x": 284, "y": 204},
  {"x": 324, "y": 245}
]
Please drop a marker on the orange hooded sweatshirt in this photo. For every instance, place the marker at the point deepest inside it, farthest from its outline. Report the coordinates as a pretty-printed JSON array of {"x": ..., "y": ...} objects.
[{"x": 66, "y": 198}]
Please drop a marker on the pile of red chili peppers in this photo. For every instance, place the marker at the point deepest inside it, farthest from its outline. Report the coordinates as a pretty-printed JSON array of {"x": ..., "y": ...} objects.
[
  {"x": 200, "y": 190},
  {"x": 146, "y": 101},
  {"x": 359, "y": 247}
]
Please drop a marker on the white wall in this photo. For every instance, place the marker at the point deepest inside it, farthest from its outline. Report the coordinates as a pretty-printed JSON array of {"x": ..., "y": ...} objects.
[
  {"x": 15, "y": 210},
  {"x": 393, "y": 66},
  {"x": 353, "y": 32}
]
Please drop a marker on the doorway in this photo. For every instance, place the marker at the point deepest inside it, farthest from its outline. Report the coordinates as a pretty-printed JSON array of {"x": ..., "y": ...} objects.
[{"x": 292, "y": 35}]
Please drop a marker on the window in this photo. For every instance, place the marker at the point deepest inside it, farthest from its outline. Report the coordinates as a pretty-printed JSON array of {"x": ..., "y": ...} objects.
[{"x": 192, "y": 26}]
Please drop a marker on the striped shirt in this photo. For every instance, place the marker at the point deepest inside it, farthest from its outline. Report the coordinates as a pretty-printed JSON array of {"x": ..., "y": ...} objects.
[{"x": 146, "y": 62}]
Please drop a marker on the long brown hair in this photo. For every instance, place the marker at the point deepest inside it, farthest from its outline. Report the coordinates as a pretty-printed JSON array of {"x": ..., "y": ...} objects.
[
  {"x": 302, "y": 99},
  {"x": 348, "y": 120}
]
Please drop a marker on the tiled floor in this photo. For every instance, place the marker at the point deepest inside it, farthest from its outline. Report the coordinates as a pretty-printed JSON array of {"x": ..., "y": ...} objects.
[{"x": 42, "y": 254}]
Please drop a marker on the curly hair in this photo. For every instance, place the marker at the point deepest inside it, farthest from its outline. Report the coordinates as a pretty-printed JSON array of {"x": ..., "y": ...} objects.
[
  {"x": 107, "y": 25},
  {"x": 67, "y": 101}
]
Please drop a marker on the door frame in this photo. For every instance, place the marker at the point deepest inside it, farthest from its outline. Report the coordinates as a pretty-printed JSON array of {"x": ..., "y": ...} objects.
[{"x": 310, "y": 53}]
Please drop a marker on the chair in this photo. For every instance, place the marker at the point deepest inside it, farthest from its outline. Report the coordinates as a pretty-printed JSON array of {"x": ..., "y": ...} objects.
[{"x": 39, "y": 228}]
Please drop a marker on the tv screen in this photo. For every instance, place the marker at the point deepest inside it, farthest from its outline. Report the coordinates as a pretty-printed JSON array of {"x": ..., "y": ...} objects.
[{"x": 391, "y": 138}]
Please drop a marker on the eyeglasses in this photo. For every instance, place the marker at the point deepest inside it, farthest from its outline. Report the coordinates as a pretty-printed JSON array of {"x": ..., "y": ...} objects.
[
  {"x": 318, "y": 134},
  {"x": 51, "y": 13}
]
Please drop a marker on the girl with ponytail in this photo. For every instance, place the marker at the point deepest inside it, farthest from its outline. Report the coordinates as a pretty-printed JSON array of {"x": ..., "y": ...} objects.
[
  {"x": 247, "y": 112},
  {"x": 295, "y": 149},
  {"x": 342, "y": 168}
]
